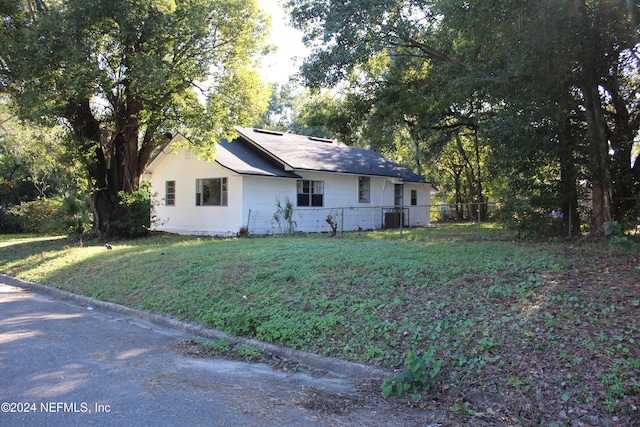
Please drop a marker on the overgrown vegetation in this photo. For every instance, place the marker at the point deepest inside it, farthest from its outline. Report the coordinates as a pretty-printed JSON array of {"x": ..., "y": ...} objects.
[
  {"x": 617, "y": 239},
  {"x": 53, "y": 215},
  {"x": 420, "y": 375},
  {"x": 549, "y": 329},
  {"x": 137, "y": 214},
  {"x": 283, "y": 216}
]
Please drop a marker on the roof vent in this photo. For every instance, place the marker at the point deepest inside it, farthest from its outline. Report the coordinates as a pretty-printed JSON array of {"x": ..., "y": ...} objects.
[
  {"x": 268, "y": 132},
  {"x": 314, "y": 138}
]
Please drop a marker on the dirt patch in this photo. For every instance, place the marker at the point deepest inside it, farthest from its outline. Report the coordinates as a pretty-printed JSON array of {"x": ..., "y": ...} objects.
[{"x": 364, "y": 407}]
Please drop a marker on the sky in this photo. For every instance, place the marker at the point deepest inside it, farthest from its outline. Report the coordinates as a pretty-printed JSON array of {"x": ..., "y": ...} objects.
[{"x": 281, "y": 65}]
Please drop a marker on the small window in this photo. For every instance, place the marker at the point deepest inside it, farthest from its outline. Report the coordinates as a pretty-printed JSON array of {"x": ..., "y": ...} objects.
[
  {"x": 170, "y": 193},
  {"x": 310, "y": 193},
  {"x": 414, "y": 197},
  {"x": 211, "y": 192},
  {"x": 398, "y": 193},
  {"x": 364, "y": 186}
]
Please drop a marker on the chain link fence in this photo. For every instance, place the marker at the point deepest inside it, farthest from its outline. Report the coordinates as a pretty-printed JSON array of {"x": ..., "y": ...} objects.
[
  {"x": 346, "y": 219},
  {"x": 340, "y": 220},
  {"x": 337, "y": 220},
  {"x": 525, "y": 221}
]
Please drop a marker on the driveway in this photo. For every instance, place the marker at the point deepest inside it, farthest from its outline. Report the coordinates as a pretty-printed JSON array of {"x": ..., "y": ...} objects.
[{"x": 68, "y": 363}]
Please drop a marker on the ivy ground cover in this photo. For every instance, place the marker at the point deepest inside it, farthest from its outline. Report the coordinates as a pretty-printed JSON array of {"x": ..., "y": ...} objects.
[{"x": 548, "y": 329}]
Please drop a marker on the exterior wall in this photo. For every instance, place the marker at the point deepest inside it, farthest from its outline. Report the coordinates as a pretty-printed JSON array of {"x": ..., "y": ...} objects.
[
  {"x": 185, "y": 217},
  {"x": 340, "y": 201},
  {"x": 419, "y": 215},
  {"x": 260, "y": 197},
  {"x": 252, "y": 201}
]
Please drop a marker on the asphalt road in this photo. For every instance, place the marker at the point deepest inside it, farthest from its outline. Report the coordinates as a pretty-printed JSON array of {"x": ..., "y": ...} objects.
[{"x": 66, "y": 363}]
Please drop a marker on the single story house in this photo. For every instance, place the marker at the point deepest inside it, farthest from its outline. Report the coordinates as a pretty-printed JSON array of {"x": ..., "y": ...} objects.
[{"x": 326, "y": 186}]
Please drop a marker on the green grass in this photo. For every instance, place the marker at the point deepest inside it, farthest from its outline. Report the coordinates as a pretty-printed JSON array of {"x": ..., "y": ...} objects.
[{"x": 497, "y": 311}]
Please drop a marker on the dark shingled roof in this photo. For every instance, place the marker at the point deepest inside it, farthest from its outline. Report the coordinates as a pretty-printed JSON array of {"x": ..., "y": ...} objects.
[
  {"x": 269, "y": 153},
  {"x": 299, "y": 152},
  {"x": 241, "y": 157}
]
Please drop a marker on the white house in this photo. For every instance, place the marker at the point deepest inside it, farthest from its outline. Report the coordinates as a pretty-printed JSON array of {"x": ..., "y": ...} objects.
[{"x": 327, "y": 184}]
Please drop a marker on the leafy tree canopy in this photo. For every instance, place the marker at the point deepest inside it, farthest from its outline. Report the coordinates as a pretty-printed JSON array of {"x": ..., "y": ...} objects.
[
  {"x": 30, "y": 158},
  {"x": 567, "y": 69},
  {"x": 123, "y": 74}
]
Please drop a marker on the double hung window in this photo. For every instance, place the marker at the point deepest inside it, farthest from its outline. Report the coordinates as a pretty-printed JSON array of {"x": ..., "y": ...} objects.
[
  {"x": 310, "y": 193},
  {"x": 211, "y": 192},
  {"x": 170, "y": 193},
  {"x": 364, "y": 189}
]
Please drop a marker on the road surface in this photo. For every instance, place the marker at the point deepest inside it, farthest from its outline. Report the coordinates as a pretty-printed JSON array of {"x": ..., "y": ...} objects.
[{"x": 64, "y": 363}]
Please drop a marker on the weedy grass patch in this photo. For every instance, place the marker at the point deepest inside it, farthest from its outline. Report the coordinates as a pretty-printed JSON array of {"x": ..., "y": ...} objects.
[{"x": 550, "y": 326}]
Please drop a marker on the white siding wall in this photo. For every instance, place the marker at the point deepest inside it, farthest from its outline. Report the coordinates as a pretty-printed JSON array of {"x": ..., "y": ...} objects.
[
  {"x": 260, "y": 197},
  {"x": 340, "y": 202},
  {"x": 252, "y": 200},
  {"x": 185, "y": 217},
  {"x": 419, "y": 214}
]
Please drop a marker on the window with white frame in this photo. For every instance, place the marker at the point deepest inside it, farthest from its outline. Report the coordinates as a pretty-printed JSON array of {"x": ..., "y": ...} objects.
[
  {"x": 310, "y": 193},
  {"x": 170, "y": 193},
  {"x": 364, "y": 189},
  {"x": 211, "y": 192}
]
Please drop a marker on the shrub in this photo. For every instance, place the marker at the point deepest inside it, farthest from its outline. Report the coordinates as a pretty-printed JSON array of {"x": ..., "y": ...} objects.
[
  {"x": 36, "y": 216},
  {"x": 136, "y": 213},
  {"x": 284, "y": 216},
  {"x": 420, "y": 375},
  {"x": 617, "y": 240},
  {"x": 73, "y": 217},
  {"x": 47, "y": 215},
  {"x": 530, "y": 222},
  {"x": 9, "y": 222},
  {"x": 333, "y": 223}
]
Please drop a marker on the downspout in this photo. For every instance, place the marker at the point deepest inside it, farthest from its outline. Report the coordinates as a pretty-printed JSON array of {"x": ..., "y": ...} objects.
[{"x": 384, "y": 187}]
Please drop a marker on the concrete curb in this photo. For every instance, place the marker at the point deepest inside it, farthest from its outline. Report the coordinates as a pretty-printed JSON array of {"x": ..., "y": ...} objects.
[{"x": 337, "y": 367}]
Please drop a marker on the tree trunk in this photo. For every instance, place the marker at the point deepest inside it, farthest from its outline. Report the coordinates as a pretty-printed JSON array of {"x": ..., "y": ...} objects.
[
  {"x": 568, "y": 180},
  {"x": 103, "y": 209},
  {"x": 601, "y": 206},
  {"x": 115, "y": 166},
  {"x": 625, "y": 128}
]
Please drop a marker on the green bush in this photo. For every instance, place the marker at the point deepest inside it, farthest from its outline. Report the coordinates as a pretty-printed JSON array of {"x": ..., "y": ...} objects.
[
  {"x": 73, "y": 217},
  {"x": 135, "y": 213},
  {"x": 420, "y": 375},
  {"x": 530, "y": 222},
  {"x": 47, "y": 216},
  {"x": 36, "y": 216},
  {"x": 9, "y": 222},
  {"x": 284, "y": 216},
  {"x": 617, "y": 239}
]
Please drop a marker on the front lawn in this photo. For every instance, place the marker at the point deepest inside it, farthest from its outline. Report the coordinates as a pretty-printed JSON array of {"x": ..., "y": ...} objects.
[{"x": 548, "y": 329}]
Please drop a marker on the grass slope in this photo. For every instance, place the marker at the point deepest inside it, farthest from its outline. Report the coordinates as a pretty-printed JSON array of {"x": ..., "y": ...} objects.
[{"x": 548, "y": 329}]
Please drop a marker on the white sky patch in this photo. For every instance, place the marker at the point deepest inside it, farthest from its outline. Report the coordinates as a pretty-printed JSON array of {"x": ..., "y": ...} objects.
[{"x": 286, "y": 60}]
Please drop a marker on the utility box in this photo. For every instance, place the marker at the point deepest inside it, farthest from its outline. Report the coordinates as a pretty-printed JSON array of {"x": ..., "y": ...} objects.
[{"x": 392, "y": 219}]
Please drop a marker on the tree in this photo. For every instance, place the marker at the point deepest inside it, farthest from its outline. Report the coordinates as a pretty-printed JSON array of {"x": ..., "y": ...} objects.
[
  {"x": 122, "y": 75},
  {"x": 29, "y": 160},
  {"x": 567, "y": 55}
]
